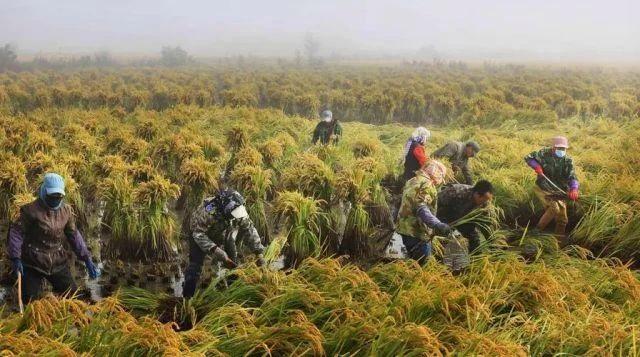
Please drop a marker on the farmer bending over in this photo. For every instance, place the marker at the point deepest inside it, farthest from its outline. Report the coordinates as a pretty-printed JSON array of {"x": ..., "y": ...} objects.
[
  {"x": 36, "y": 240},
  {"x": 457, "y": 200},
  {"x": 212, "y": 229},
  {"x": 458, "y": 154},
  {"x": 416, "y": 219}
]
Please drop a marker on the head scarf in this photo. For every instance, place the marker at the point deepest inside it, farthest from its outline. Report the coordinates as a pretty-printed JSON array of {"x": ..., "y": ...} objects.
[
  {"x": 420, "y": 136},
  {"x": 436, "y": 171}
]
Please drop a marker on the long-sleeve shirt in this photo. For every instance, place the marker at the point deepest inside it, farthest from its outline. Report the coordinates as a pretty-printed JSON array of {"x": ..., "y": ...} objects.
[
  {"x": 558, "y": 169},
  {"x": 324, "y": 130},
  {"x": 36, "y": 237},
  {"x": 209, "y": 229},
  {"x": 415, "y": 217},
  {"x": 454, "y": 152}
]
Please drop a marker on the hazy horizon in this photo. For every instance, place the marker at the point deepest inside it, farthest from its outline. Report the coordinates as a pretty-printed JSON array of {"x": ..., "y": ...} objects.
[{"x": 492, "y": 29}]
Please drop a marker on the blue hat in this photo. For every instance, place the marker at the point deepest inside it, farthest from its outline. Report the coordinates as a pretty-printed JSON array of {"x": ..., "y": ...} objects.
[{"x": 52, "y": 184}]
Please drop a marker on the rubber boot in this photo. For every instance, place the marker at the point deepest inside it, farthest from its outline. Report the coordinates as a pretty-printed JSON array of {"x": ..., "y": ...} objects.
[{"x": 544, "y": 221}]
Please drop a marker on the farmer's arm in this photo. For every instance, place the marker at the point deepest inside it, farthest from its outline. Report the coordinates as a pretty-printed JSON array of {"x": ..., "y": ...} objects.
[
  {"x": 200, "y": 223},
  {"x": 448, "y": 150},
  {"x": 16, "y": 237},
  {"x": 74, "y": 237},
  {"x": 251, "y": 236}
]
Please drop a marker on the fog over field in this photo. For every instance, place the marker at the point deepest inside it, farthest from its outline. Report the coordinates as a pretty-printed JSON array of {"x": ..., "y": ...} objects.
[{"x": 582, "y": 30}]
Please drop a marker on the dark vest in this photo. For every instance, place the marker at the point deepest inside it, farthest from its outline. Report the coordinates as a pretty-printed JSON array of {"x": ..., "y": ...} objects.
[
  {"x": 411, "y": 164},
  {"x": 44, "y": 233}
]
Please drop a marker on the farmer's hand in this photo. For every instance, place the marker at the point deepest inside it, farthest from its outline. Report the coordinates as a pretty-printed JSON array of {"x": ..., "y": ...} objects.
[
  {"x": 92, "y": 269},
  {"x": 443, "y": 228},
  {"x": 573, "y": 195},
  {"x": 221, "y": 255},
  {"x": 539, "y": 170},
  {"x": 16, "y": 266},
  {"x": 229, "y": 264}
]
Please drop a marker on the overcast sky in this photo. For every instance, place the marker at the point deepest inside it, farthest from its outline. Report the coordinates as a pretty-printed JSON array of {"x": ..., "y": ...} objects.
[{"x": 465, "y": 28}]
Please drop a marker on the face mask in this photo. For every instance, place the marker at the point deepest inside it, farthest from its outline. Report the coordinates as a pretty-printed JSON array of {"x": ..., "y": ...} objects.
[
  {"x": 53, "y": 202},
  {"x": 560, "y": 153},
  {"x": 327, "y": 120}
]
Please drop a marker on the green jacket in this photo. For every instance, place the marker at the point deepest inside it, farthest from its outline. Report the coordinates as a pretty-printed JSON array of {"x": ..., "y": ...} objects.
[
  {"x": 557, "y": 169},
  {"x": 454, "y": 152},
  {"x": 324, "y": 131},
  {"x": 417, "y": 191}
]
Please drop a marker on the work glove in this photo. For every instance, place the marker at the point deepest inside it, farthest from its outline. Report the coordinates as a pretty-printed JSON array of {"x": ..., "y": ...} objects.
[
  {"x": 16, "y": 266},
  {"x": 539, "y": 170},
  {"x": 443, "y": 228},
  {"x": 260, "y": 261},
  {"x": 92, "y": 269},
  {"x": 573, "y": 195},
  {"x": 221, "y": 255}
]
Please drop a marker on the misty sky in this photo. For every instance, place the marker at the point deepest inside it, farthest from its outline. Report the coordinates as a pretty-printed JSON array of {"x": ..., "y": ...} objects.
[{"x": 537, "y": 28}]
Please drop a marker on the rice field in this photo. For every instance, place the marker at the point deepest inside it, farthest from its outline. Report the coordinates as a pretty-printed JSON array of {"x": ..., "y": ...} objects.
[{"x": 133, "y": 173}]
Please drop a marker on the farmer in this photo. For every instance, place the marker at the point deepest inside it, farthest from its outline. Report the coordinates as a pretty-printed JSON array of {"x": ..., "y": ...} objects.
[
  {"x": 416, "y": 218},
  {"x": 414, "y": 156},
  {"x": 328, "y": 130},
  {"x": 457, "y": 200},
  {"x": 555, "y": 176},
  {"x": 458, "y": 154},
  {"x": 36, "y": 238},
  {"x": 212, "y": 229}
]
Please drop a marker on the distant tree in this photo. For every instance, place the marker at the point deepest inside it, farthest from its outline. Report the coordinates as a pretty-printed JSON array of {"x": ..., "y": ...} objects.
[
  {"x": 8, "y": 58},
  {"x": 103, "y": 59},
  {"x": 298, "y": 58},
  {"x": 174, "y": 56},
  {"x": 311, "y": 48}
]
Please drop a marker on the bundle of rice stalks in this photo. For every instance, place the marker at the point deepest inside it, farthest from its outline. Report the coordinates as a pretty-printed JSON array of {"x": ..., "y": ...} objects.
[
  {"x": 366, "y": 147},
  {"x": 357, "y": 187},
  {"x": 111, "y": 164},
  {"x": 272, "y": 151},
  {"x": 247, "y": 156},
  {"x": 120, "y": 215},
  {"x": 38, "y": 141},
  {"x": 211, "y": 149},
  {"x": 237, "y": 138},
  {"x": 38, "y": 164},
  {"x": 254, "y": 183},
  {"x": 157, "y": 225},
  {"x": 309, "y": 175},
  {"x": 302, "y": 221},
  {"x": 147, "y": 128},
  {"x": 600, "y": 224},
  {"x": 13, "y": 181},
  {"x": 198, "y": 176}
]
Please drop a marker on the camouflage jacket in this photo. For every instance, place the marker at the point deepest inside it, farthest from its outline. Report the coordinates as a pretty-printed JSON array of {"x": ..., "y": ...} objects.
[
  {"x": 324, "y": 131},
  {"x": 454, "y": 152},
  {"x": 557, "y": 169},
  {"x": 209, "y": 229},
  {"x": 417, "y": 192}
]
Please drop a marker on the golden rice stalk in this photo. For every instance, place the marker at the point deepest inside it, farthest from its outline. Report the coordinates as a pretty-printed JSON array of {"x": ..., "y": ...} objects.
[
  {"x": 237, "y": 137},
  {"x": 272, "y": 151}
]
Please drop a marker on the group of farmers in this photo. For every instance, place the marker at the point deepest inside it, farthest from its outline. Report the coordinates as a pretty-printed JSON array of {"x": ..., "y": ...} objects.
[{"x": 430, "y": 205}]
